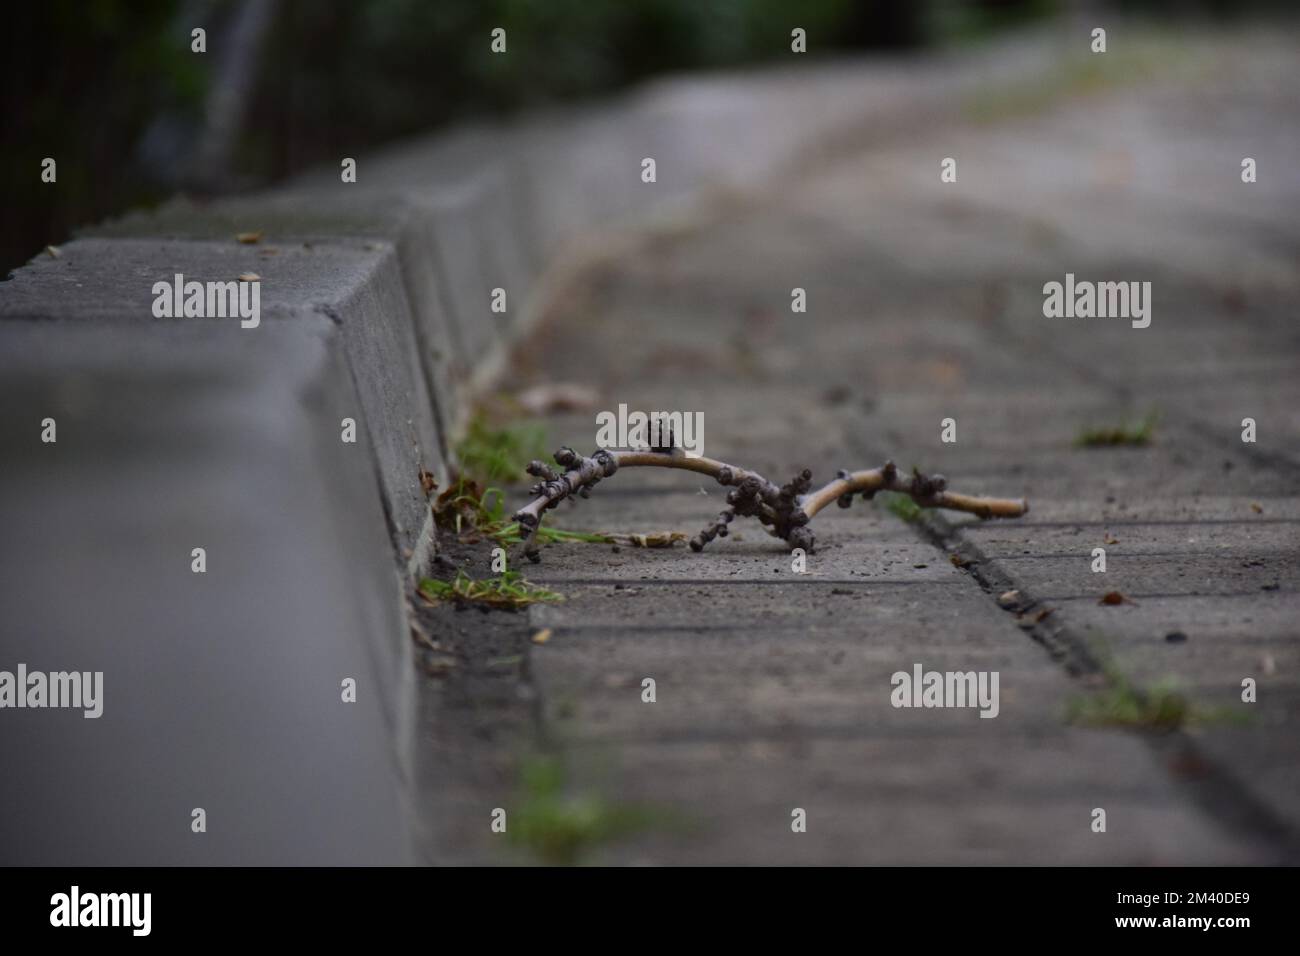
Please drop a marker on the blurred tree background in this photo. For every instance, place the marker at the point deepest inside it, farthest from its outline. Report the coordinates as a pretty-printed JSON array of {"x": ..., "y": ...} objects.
[{"x": 111, "y": 90}]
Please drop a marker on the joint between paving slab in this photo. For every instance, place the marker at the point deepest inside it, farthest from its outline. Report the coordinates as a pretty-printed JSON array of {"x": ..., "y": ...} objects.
[{"x": 1215, "y": 789}]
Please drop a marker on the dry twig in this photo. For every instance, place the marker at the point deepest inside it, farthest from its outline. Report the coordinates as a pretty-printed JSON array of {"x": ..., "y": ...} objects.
[{"x": 784, "y": 510}]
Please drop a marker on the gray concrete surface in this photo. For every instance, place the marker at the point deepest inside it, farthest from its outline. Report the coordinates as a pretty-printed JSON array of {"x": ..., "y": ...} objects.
[
  {"x": 222, "y": 689},
  {"x": 925, "y": 303}
]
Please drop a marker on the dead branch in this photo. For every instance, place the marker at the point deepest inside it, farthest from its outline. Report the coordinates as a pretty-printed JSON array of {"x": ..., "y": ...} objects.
[{"x": 785, "y": 511}]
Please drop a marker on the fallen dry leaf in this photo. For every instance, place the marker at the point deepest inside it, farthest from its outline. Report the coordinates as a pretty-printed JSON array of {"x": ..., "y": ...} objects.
[
  {"x": 1255, "y": 507},
  {"x": 1113, "y": 597},
  {"x": 54, "y": 251},
  {"x": 427, "y": 482},
  {"x": 1108, "y": 539},
  {"x": 249, "y": 277},
  {"x": 1008, "y": 599},
  {"x": 1188, "y": 764},
  {"x": 542, "y": 636},
  {"x": 249, "y": 238}
]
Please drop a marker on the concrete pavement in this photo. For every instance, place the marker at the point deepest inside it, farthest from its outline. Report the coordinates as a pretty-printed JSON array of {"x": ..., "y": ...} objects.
[{"x": 925, "y": 303}]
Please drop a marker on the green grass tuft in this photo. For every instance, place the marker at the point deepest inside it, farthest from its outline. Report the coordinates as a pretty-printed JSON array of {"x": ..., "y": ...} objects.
[
  {"x": 509, "y": 534},
  {"x": 490, "y": 455},
  {"x": 900, "y": 505},
  {"x": 1128, "y": 433},
  {"x": 507, "y": 590},
  {"x": 560, "y": 828},
  {"x": 1160, "y": 707}
]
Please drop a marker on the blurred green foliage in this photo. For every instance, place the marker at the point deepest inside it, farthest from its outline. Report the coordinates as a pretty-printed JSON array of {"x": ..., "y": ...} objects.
[
  {"x": 82, "y": 80},
  {"x": 340, "y": 74}
]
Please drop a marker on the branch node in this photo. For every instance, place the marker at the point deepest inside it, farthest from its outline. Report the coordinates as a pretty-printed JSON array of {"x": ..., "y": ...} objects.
[
  {"x": 607, "y": 462},
  {"x": 802, "y": 538}
]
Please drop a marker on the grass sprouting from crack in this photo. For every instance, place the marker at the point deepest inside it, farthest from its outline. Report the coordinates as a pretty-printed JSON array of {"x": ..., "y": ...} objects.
[
  {"x": 1159, "y": 707},
  {"x": 506, "y": 590},
  {"x": 489, "y": 455},
  {"x": 560, "y": 827},
  {"x": 1129, "y": 433}
]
